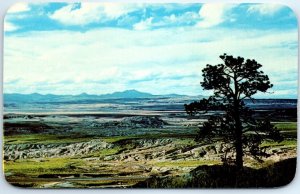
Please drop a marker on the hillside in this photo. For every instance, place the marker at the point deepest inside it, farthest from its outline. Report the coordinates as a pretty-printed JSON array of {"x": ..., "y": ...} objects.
[{"x": 39, "y": 98}]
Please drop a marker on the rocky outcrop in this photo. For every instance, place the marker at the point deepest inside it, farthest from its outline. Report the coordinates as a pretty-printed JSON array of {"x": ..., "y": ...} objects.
[
  {"x": 134, "y": 122},
  {"x": 151, "y": 142},
  {"x": 23, "y": 151},
  {"x": 141, "y": 121},
  {"x": 132, "y": 150}
]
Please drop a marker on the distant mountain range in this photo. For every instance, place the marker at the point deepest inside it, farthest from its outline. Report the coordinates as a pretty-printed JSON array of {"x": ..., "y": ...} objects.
[{"x": 127, "y": 94}]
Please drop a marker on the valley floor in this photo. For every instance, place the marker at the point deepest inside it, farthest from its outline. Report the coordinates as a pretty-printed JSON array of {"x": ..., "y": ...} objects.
[{"x": 90, "y": 151}]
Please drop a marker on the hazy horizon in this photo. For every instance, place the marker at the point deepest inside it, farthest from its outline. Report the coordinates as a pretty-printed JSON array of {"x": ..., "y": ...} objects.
[
  {"x": 100, "y": 48},
  {"x": 100, "y": 94},
  {"x": 127, "y": 90}
]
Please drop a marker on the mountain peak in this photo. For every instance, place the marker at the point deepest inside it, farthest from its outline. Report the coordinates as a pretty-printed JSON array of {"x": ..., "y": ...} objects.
[
  {"x": 129, "y": 94},
  {"x": 131, "y": 91},
  {"x": 36, "y": 97},
  {"x": 35, "y": 94},
  {"x": 83, "y": 94}
]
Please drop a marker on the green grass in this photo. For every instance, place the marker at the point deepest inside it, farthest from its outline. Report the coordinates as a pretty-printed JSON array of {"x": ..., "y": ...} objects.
[
  {"x": 48, "y": 166},
  {"x": 185, "y": 141},
  {"x": 287, "y": 129},
  {"x": 286, "y": 143},
  {"x": 286, "y": 126},
  {"x": 115, "y": 139},
  {"x": 44, "y": 139}
]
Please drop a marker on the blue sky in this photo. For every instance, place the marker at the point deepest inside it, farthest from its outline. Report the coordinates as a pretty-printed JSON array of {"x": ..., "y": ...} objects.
[{"x": 101, "y": 48}]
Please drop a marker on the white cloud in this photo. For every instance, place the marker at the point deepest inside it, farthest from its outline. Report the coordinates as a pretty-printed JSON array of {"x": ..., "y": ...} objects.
[
  {"x": 18, "y": 7},
  {"x": 167, "y": 21},
  {"x": 214, "y": 14},
  {"x": 9, "y": 27},
  {"x": 265, "y": 9},
  {"x": 108, "y": 59},
  {"x": 115, "y": 10},
  {"x": 91, "y": 12},
  {"x": 144, "y": 24},
  {"x": 187, "y": 17}
]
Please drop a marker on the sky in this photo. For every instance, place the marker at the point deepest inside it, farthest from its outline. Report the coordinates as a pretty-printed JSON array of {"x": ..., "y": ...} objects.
[{"x": 100, "y": 48}]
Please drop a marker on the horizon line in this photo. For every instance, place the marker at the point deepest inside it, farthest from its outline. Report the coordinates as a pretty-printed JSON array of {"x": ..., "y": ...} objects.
[
  {"x": 93, "y": 94},
  {"x": 89, "y": 94}
]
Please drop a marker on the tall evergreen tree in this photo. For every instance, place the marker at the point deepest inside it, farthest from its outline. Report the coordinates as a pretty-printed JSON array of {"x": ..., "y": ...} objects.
[{"x": 232, "y": 82}]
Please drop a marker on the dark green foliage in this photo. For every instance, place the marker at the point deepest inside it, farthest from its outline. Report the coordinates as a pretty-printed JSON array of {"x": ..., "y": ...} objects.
[{"x": 232, "y": 82}]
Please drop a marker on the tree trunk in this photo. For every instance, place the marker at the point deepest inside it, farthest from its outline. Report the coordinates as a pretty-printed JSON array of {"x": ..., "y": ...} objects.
[
  {"x": 239, "y": 146},
  {"x": 238, "y": 128},
  {"x": 238, "y": 136}
]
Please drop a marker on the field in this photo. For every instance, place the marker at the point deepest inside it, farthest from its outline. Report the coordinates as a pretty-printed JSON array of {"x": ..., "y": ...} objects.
[{"x": 130, "y": 144}]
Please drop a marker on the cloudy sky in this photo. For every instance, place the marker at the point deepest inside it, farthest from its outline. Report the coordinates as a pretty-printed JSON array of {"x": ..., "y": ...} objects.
[{"x": 101, "y": 48}]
